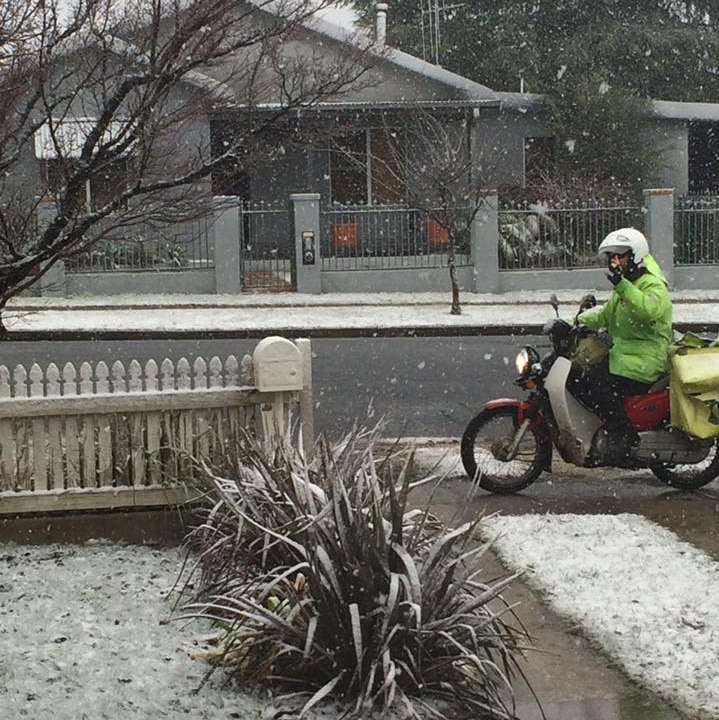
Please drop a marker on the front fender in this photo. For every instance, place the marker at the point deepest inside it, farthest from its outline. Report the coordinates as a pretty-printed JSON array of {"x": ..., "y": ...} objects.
[{"x": 521, "y": 405}]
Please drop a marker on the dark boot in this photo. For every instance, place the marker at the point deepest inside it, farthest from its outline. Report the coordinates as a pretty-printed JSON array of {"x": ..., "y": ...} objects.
[{"x": 621, "y": 438}]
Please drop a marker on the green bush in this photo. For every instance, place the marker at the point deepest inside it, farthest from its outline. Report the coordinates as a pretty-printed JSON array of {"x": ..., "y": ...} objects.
[{"x": 320, "y": 578}]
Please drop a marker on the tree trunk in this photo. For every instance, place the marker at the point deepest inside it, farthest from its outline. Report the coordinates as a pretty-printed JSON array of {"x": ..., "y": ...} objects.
[{"x": 456, "y": 308}]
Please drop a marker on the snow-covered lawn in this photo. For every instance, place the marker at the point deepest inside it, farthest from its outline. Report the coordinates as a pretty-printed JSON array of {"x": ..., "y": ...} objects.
[
  {"x": 82, "y": 631},
  {"x": 82, "y": 638},
  {"x": 646, "y": 598}
]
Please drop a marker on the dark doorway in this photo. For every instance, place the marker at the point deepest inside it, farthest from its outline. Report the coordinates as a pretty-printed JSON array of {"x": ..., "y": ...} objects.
[{"x": 704, "y": 157}]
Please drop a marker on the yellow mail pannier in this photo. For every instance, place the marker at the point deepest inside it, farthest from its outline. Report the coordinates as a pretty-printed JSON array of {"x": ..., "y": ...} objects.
[
  {"x": 694, "y": 390},
  {"x": 696, "y": 414},
  {"x": 697, "y": 369}
]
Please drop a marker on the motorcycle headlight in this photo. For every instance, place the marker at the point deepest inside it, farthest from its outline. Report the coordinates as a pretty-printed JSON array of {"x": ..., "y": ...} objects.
[{"x": 526, "y": 357}]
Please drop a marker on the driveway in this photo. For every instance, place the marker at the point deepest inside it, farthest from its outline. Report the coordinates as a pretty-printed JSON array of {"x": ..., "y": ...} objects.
[{"x": 572, "y": 680}]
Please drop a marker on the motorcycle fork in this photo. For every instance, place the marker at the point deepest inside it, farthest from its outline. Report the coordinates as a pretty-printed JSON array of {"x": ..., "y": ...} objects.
[
  {"x": 511, "y": 451},
  {"x": 528, "y": 413}
]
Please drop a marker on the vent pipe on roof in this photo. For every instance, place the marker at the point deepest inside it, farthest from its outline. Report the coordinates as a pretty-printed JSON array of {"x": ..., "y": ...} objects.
[{"x": 381, "y": 24}]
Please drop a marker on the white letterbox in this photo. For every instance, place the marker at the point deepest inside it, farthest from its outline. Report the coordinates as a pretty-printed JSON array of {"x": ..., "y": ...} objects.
[{"x": 277, "y": 364}]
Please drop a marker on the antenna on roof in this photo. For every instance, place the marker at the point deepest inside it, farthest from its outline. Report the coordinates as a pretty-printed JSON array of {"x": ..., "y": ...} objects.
[{"x": 435, "y": 12}]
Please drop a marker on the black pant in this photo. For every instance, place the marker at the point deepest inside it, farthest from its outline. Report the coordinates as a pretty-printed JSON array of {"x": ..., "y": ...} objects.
[{"x": 603, "y": 393}]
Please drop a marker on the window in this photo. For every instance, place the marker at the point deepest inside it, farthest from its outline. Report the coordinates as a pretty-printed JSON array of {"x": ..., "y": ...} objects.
[
  {"x": 58, "y": 150},
  {"x": 539, "y": 159},
  {"x": 100, "y": 189},
  {"x": 364, "y": 169}
]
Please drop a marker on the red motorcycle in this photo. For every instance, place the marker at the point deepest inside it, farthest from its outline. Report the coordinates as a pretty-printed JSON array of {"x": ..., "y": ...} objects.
[{"x": 510, "y": 442}]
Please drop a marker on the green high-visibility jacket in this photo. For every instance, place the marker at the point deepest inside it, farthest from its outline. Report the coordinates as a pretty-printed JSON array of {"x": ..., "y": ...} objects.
[{"x": 638, "y": 317}]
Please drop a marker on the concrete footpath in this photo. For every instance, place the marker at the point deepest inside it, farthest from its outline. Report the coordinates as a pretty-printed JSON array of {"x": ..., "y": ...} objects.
[{"x": 327, "y": 315}]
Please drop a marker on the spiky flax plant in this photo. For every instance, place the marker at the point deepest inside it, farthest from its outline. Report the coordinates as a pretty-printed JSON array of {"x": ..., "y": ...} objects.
[{"x": 320, "y": 578}]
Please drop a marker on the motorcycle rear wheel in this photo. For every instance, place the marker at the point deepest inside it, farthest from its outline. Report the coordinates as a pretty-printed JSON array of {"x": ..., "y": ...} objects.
[
  {"x": 486, "y": 436},
  {"x": 690, "y": 477}
]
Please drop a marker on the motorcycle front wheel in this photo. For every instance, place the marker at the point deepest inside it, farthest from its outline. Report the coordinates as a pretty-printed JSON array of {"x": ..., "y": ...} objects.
[
  {"x": 484, "y": 446},
  {"x": 690, "y": 477}
]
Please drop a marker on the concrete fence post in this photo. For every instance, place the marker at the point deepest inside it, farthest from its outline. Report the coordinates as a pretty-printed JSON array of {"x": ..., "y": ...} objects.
[
  {"x": 228, "y": 274},
  {"x": 484, "y": 240},
  {"x": 306, "y": 229},
  {"x": 52, "y": 281},
  {"x": 659, "y": 228}
]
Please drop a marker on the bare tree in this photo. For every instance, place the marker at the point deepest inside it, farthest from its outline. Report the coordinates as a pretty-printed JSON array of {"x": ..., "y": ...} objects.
[
  {"x": 121, "y": 93},
  {"x": 432, "y": 160}
]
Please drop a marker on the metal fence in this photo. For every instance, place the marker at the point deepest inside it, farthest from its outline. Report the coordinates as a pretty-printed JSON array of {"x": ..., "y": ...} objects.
[
  {"x": 696, "y": 226},
  {"x": 268, "y": 251},
  {"x": 534, "y": 236},
  {"x": 145, "y": 247},
  {"x": 385, "y": 237}
]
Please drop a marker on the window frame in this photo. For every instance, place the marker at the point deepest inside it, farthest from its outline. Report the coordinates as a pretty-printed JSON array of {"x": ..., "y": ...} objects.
[{"x": 340, "y": 162}]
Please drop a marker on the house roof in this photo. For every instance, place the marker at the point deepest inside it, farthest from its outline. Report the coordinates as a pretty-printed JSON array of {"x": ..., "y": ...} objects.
[
  {"x": 669, "y": 110},
  {"x": 404, "y": 60},
  {"x": 468, "y": 92},
  {"x": 521, "y": 102}
]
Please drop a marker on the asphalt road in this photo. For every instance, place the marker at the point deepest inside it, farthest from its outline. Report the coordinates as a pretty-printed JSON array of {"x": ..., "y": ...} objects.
[{"x": 421, "y": 386}]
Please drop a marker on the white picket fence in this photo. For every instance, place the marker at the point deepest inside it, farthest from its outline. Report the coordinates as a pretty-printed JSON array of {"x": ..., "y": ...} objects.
[{"x": 112, "y": 436}]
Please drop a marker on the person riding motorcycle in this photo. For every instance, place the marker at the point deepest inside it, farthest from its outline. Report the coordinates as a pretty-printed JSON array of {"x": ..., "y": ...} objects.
[{"x": 638, "y": 318}]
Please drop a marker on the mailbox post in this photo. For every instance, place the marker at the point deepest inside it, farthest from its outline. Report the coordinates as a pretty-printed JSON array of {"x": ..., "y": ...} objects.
[{"x": 278, "y": 370}]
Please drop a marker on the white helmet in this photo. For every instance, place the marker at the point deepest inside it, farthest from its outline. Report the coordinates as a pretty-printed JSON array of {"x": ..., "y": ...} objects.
[{"x": 619, "y": 241}]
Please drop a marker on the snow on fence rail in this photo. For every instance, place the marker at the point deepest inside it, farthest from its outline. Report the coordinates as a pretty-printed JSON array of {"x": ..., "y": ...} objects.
[{"x": 109, "y": 436}]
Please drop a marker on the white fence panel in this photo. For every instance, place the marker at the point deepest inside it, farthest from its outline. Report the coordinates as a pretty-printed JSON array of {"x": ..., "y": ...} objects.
[{"x": 116, "y": 433}]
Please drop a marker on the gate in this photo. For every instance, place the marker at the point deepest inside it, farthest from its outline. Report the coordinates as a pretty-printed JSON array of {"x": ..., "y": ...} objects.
[{"x": 267, "y": 253}]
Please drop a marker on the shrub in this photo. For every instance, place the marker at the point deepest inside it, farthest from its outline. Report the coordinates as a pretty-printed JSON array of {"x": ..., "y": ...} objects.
[{"x": 319, "y": 578}]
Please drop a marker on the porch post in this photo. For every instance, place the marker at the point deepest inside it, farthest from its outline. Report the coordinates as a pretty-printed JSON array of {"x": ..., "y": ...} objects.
[
  {"x": 228, "y": 278},
  {"x": 659, "y": 228},
  {"x": 52, "y": 282},
  {"x": 306, "y": 215},
  {"x": 484, "y": 238}
]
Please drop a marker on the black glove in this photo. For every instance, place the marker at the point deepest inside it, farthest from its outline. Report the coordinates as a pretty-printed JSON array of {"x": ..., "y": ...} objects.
[
  {"x": 583, "y": 331},
  {"x": 587, "y": 302},
  {"x": 557, "y": 327},
  {"x": 615, "y": 274}
]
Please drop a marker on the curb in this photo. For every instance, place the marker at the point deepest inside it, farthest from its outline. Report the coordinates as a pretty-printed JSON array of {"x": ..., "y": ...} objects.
[
  {"x": 298, "y": 332},
  {"x": 32, "y": 308}
]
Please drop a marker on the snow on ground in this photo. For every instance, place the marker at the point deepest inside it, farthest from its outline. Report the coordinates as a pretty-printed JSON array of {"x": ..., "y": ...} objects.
[
  {"x": 81, "y": 638},
  {"x": 83, "y": 633},
  {"x": 439, "y": 458},
  {"x": 646, "y": 598},
  {"x": 295, "y": 312}
]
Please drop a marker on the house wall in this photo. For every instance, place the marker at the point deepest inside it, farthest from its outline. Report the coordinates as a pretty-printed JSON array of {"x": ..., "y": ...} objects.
[
  {"x": 499, "y": 138},
  {"x": 497, "y": 142},
  {"x": 671, "y": 138}
]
